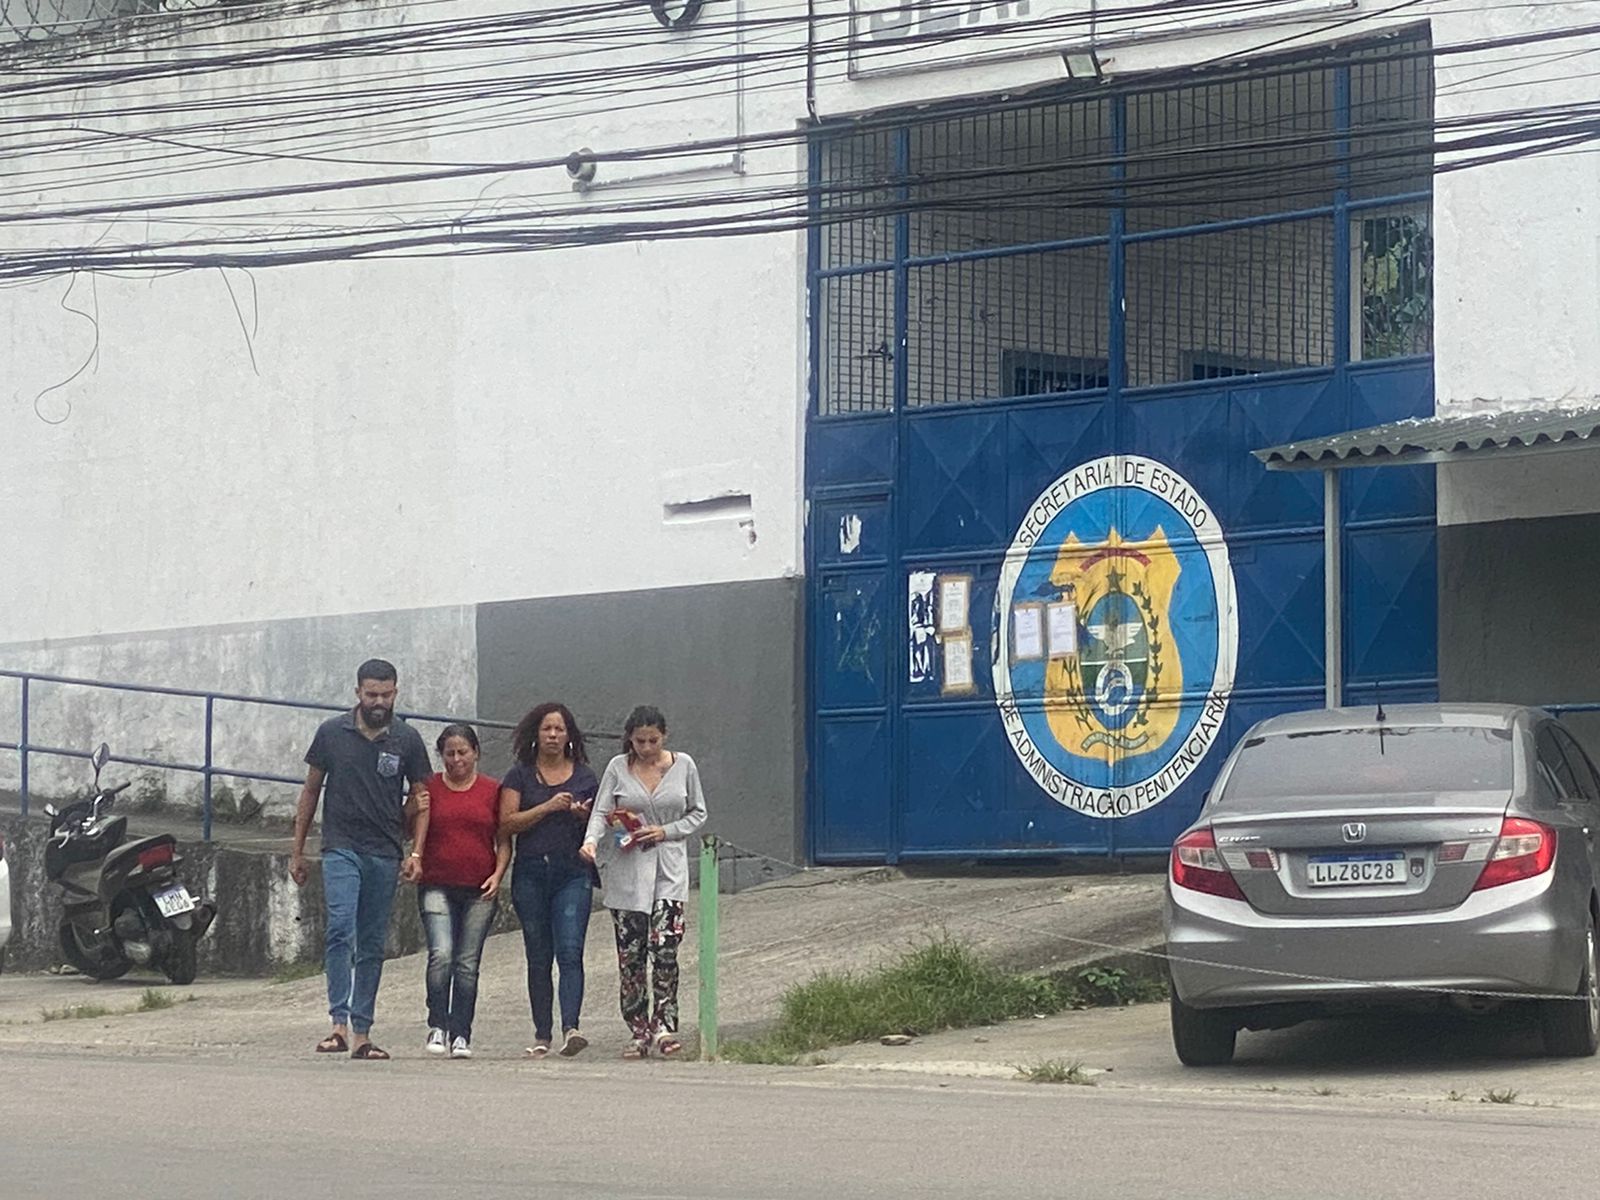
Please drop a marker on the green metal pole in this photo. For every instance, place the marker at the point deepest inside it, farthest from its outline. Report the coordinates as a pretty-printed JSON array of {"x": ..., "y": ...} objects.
[{"x": 710, "y": 881}]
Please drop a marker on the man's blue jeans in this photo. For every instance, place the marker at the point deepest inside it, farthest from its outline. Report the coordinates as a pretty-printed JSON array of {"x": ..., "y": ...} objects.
[
  {"x": 456, "y": 921},
  {"x": 552, "y": 902},
  {"x": 358, "y": 890}
]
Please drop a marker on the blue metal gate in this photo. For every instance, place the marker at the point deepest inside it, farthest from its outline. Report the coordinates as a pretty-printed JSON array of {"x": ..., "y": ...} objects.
[{"x": 1048, "y": 585}]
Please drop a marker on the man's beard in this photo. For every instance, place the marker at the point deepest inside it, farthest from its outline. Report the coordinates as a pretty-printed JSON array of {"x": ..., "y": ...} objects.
[{"x": 377, "y": 716}]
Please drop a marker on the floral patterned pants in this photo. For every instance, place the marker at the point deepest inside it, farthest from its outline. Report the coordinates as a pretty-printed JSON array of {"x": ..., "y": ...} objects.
[{"x": 649, "y": 938}]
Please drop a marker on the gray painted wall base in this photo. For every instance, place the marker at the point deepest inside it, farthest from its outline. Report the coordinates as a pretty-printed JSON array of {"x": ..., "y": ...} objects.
[
  {"x": 1517, "y": 602},
  {"x": 722, "y": 661}
]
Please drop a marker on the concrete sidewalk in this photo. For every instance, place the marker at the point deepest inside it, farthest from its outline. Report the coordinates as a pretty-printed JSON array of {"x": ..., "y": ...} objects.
[
  {"x": 772, "y": 937},
  {"x": 1444, "y": 1059}
]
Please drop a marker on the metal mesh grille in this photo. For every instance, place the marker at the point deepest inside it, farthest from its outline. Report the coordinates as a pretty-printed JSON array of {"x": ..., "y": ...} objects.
[
  {"x": 857, "y": 367},
  {"x": 1231, "y": 149},
  {"x": 857, "y": 173},
  {"x": 1024, "y": 325},
  {"x": 1010, "y": 178},
  {"x": 1391, "y": 120},
  {"x": 1237, "y": 302},
  {"x": 1217, "y": 280}
]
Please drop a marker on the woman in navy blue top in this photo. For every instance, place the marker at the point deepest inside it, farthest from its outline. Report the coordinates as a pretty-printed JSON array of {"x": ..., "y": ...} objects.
[{"x": 545, "y": 801}]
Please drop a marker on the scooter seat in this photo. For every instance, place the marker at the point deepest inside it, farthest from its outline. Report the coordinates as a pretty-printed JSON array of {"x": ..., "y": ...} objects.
[{"x": 85, "y": 847}]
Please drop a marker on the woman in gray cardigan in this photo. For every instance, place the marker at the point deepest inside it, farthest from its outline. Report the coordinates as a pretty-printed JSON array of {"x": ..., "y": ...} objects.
[{"x": 650, "y": 799}]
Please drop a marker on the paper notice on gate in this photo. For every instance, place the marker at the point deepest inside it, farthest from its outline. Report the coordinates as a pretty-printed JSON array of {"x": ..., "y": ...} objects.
[
  {"x": 1063, "y": 629},
  {"x": 954, "y": 591},
  {"x": 958, "y": 664},
  {"x": 1027, "y": 632}
]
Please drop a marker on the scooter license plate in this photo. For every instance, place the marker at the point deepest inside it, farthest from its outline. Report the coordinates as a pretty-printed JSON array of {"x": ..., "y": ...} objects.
[{"x": 174, "y": 901}]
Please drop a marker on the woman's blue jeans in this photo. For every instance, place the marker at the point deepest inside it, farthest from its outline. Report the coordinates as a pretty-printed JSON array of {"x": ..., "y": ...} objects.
[
  {"x": 456, "y": 921},
  {"x": 552, "y": 900}
]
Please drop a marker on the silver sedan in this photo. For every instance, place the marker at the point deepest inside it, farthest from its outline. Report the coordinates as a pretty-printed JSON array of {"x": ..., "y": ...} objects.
[{"x": 1430, "y": 854}]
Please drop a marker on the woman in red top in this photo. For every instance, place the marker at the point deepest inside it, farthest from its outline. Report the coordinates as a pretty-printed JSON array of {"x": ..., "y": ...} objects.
[{"x": 465, "y": 861}]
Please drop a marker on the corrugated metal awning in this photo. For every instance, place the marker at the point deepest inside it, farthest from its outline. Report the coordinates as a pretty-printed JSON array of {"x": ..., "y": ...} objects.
[{"x": 1442, "y": 439}]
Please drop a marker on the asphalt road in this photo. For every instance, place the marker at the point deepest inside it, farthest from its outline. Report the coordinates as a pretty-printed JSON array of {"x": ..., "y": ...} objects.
[{"x": 91, "y": 1123}]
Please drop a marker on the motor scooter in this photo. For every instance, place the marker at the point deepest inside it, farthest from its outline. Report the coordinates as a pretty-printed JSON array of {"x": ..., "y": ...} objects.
[{"x": 124, "y": 902}]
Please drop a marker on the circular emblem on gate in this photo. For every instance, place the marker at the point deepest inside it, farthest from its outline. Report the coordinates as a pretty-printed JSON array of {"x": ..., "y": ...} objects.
[{"x": 1116, "y": 636}]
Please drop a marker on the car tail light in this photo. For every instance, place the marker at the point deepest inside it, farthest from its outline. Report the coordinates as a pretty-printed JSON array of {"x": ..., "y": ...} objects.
[
  {"x": 1524, "y": 850},
  {"x": 155, "y": 856},
  {"x": 1196, "y": 865}
]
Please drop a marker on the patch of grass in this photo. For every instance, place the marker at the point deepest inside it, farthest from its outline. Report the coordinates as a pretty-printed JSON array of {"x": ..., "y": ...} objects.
[
  {"x": 75, "y": 1012},
  {"x": 941, "y": 985},
  {"x": 767, "y": 1051},
  {"x": 154, "y": 1000},
  {"x": 296, "y": 971},
  {"x": 1500, "y": 1096},
  {"x": 1055, "y": 1070},
  {"x": 1100, "y": 987},
  {"x": 1323, "y": 1091},
  {"x": 1455, "y": 1096}
]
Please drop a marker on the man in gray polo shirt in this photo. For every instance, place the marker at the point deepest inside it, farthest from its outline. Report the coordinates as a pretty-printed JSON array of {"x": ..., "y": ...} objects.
[{"x": 360, "y": 763}]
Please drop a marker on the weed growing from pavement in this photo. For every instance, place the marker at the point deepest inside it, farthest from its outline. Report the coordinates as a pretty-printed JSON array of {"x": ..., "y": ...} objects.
[
  {"x": 1055, "y": 1070},
  {"x": 1500, "y": 1096},
  {"x": 1096, "y": 987},
  {"x": 942, "y": 985},
  {"x": 154, "y": 1000},
  {"x": 1323, "y": 1091},
  {"x": 296, "y": 971},
  {"x": 1455, "y": 1096},
  {"x": 75, "y": 1012}
]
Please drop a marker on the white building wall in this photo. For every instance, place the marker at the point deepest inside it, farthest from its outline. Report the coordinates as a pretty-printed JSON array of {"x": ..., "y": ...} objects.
[{"x": 403, "y": 433}]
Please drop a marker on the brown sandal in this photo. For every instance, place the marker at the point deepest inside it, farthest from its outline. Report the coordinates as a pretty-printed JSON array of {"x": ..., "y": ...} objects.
[
  {"x": 334, "y": 1043},
  {"x": 369, "y": 1050},
  {"x": 635, "y": 1050}
]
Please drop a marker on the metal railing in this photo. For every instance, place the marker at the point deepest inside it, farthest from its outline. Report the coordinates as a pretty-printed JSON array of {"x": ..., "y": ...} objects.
[{"x": 208, "y": 769}]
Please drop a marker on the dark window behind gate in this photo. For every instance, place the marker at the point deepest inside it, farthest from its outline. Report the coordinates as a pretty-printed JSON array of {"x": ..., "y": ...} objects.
[{"x": 1150, "y": 284}]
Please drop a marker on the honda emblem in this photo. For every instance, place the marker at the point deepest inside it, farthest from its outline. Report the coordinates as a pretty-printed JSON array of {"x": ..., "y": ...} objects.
[{"x": 1354, "y": 831}]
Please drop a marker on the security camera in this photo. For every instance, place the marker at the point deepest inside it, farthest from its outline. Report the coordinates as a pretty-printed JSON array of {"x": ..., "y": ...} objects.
[{"x": 581, "y": 165}]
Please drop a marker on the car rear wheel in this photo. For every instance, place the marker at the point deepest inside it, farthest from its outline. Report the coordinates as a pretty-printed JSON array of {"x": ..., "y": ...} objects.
[
  {"x": 1572, "y": 1027},
  {"x": 1202, "y": 1037}
]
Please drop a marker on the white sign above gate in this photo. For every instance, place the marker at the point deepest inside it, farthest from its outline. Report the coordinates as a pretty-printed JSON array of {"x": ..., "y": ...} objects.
[{"x": 915, "y": 35}]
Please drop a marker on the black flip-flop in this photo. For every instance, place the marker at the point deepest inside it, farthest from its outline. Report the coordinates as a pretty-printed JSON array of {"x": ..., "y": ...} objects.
[
  {"x": 369, "y": 1050},
  {"x": 334, "y": 1043}
]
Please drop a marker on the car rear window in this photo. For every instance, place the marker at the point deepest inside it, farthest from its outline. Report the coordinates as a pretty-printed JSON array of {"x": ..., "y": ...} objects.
[{"x": 1370, "y": 762}]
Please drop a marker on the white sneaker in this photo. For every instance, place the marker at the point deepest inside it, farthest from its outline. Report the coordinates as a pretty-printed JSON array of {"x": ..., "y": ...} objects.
[
  {"x": 436, "y": 1041},
  {"x": 460, "y": 1049}
]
